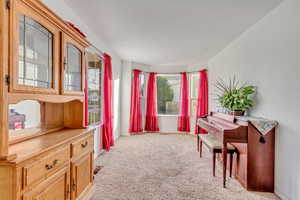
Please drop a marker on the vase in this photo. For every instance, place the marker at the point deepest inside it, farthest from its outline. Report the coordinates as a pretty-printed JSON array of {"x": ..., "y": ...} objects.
[{"x": 238, "y": 113}]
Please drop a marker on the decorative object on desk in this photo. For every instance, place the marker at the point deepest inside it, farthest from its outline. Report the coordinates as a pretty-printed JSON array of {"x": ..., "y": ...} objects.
[
  {"x": 234, "y": 97},
  {"x": 262, "y": 125}
]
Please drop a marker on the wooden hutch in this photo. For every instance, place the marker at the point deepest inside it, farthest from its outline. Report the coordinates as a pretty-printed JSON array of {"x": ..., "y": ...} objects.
[{"x": 42, "y": 59}]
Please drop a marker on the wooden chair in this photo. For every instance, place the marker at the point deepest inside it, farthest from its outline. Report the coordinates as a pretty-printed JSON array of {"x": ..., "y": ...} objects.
[{"x": 215, "y": 147}]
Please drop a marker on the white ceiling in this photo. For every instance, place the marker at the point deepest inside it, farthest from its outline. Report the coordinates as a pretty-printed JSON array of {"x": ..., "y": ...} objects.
[{"x": 170, "y": 32}]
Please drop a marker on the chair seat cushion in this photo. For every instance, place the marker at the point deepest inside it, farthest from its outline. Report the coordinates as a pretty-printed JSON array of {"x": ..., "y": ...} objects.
[{"x": 213, "y": 142}]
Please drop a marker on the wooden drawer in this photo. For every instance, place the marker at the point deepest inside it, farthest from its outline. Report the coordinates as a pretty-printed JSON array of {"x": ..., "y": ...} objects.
[
  {"x": 82, "y": 145},
  {"x": 57, "y": 186},
  {"x": 40, "y": 169}
]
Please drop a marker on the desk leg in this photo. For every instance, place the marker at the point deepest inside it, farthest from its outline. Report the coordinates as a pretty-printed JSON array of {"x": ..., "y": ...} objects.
[
  {"x": 198, "y": 144},
  {"x": 224, "y": 163}
]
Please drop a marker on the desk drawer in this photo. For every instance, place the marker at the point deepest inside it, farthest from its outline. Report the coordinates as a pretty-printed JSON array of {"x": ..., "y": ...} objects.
[
  {"x": 41, "y": 168},
  {"x": 82, "y": 145}
]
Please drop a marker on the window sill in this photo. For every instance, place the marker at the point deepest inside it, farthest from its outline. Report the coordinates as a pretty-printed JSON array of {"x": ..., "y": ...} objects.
[{"x": 168, "y": 115}]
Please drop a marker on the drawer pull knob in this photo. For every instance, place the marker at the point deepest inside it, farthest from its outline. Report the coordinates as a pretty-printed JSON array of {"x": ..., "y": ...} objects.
[
  {"x": 85, "y": 144},
  {"x": 50, "y": 166}
]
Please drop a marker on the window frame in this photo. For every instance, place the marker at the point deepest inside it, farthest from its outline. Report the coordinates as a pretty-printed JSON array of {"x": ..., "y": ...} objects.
[
  {"x": 97, "y": 54},
  {"x": 143, "y": 91},
  {"x": 191, "y": 89}
]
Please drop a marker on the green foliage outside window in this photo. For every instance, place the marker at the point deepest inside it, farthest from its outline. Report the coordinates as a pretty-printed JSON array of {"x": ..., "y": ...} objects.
[{"x": 164, "y": 94}]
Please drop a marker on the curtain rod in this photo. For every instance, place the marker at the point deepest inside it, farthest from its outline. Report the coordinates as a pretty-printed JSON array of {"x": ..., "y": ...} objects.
[{"x": 190, "y": 72}]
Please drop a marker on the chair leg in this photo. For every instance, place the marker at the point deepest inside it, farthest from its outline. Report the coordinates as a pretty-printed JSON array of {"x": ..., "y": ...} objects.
[
  {"x": 198, "y": 143},
  {"x": 230, "y": 164},
  {"x": 200, "y": 148},
  {"x": 214, "y": 163}
]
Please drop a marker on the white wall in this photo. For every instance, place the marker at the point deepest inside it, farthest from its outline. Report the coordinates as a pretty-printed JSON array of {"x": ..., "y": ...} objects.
[
  {"x": 125, "y": 94},
  {"x": 66, "y": 12},
  {"x": 268, "y": 56}
]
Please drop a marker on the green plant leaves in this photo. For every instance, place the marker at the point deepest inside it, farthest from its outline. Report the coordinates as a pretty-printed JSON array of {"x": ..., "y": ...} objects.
[{"x": 233, "y": 97}]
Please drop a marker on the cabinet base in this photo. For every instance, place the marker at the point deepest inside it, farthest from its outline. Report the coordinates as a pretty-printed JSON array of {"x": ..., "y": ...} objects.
[{"x": 87, "y": 195}]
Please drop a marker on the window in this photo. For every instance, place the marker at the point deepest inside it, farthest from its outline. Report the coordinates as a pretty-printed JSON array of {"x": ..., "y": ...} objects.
[
  {"x": 194, "y": 77},
  {"x": 94, "y": 86},
  {"x": 142, "y": 92},
  {"x": 35, "y": 54},
  {"x": 168, "y": 94}
]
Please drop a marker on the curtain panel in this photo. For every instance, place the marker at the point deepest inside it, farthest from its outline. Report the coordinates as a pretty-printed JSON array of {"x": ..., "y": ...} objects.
[
  {"x": 151, "y": 122},
  {"x": 202, "y": 106},
  {"x": 135, "y": 123},
  {"x": 107, "y": 128},
  {"x": 183, "y": 123}
]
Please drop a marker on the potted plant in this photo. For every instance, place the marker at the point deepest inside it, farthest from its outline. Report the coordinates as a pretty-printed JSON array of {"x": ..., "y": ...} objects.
[{"x": 235, "y": 98}]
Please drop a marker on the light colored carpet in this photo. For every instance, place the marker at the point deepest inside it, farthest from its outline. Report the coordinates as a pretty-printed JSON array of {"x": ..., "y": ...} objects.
[{"x": 163, "y": 167}]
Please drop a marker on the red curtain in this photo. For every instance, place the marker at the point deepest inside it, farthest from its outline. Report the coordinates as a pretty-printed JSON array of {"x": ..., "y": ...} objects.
[
  {"x": 107, "y": 128},
  {"x": 202, "y": 107},
  {"x": 184, "y": 118},
  {"x": 135, "y": 124},
  {"x": 151, "y": 122}
]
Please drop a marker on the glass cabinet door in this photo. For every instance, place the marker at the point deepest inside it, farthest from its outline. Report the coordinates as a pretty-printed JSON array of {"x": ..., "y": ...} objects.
[
  {"x": 35, "y": 53},
  {"x": 73, "y": 67}
]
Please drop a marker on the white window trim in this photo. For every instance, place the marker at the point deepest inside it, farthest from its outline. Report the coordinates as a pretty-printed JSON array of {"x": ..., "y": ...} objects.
[
  {"x": 192, "y": 98},
  {"x": 167, "y": 115}
]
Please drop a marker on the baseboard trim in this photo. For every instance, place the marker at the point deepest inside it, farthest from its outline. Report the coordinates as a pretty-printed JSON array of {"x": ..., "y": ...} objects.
[
  {"x": 174, "y": 133},
  {"x": 280, "y": 195},
  {"x": 125, "y": 134},
  {"x": 161, "y": 133}
]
